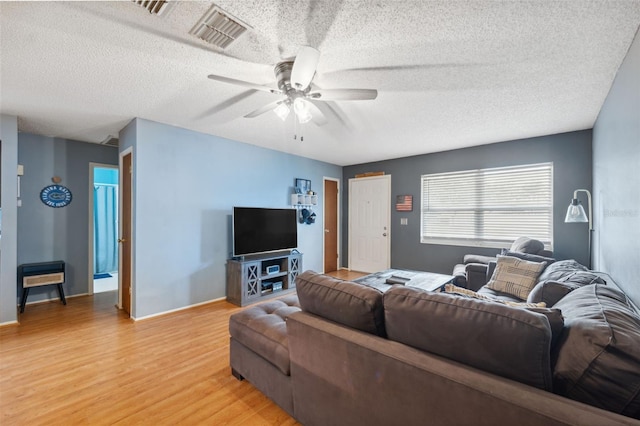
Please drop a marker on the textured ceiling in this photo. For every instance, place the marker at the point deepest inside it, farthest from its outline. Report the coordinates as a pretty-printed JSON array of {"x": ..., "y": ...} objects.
[{"x": 450, "y": 74}]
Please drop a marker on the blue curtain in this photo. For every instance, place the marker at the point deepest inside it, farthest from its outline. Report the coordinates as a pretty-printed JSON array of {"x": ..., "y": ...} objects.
[{"x": 105, "y": 234}]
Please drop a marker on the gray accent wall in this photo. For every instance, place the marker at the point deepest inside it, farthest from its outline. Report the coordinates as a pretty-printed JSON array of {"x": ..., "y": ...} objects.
[
  {"x": 47, "y": 233},
  {"x": 571, "y": 157},
  {"x": 8, "y": 195},
  {"x": 185, "y": 186},
  {"x": 616, "y": 178}
]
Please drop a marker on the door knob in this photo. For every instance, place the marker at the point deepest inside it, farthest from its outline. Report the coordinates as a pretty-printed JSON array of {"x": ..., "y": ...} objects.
[
  {"x": 326, "y": 230},
  {"x": 122, "y": 240},
  {"x": 384, "y": 235}
]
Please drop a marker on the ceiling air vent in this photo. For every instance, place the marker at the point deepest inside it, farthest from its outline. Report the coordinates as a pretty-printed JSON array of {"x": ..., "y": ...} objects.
[
  {"x": 153, "y": 7},
  {"x": 219, "y": 28},
  {"x": 110, "y": 141}
]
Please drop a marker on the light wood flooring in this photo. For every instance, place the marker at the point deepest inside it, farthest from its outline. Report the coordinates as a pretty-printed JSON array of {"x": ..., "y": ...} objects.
[{"x": 87, "y": 363}]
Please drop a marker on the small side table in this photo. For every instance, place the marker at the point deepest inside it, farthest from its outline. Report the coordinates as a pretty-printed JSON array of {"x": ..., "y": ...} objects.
[{"x": 41, "y": 274}]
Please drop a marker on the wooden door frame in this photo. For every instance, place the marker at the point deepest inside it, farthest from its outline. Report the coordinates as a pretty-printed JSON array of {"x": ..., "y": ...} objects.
[
  {"x": 338, "y": 221},
  {"x": 121, "y": 219},
  {"x": 92, "y": 167}
]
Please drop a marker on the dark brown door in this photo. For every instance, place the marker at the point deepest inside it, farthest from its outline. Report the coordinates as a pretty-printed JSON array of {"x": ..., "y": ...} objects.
[
  {"x": 330, "y": 225},
  {"x": 125, "y": 238}
]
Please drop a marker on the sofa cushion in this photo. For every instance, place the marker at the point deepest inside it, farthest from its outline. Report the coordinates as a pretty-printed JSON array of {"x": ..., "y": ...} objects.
[
  {"x": 504, "y": 340},
  {"x": 550, "y": 292},
  {"x": 528, "y": 256},
  {"x": 598, "y": 356},
  {"x": 556, "y": 322},
  {"x": 354, "y": 305},
  {"x": 515, "y": 276},
  {"x": 262, "y": 328}
]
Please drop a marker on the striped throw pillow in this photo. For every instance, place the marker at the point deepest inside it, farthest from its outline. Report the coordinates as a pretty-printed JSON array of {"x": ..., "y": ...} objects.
[{"x": 514, "y": 276}]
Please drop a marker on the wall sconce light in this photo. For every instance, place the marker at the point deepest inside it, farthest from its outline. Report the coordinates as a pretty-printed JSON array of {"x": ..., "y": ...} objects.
[{"x": 576, "y": 214}]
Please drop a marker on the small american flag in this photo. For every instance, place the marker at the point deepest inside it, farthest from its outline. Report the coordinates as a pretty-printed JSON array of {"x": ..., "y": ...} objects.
[{"x": 404, "y": 203}]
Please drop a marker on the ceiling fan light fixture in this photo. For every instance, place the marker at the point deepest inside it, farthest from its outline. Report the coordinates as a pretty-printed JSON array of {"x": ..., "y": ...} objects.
[
  {"x": 301, "y": 110},
  {"x": 304, "y": 118},
  {"x": 282, "y": 111},
  {"x": 299, "y": 106}
]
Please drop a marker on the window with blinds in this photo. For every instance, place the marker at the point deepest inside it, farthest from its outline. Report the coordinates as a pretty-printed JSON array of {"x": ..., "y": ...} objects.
[{"x": 488, "y": 207}]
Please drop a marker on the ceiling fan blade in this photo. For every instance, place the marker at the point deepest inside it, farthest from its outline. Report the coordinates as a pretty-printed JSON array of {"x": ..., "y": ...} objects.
[
  {"x": 244, "y": 84},
  {"x": 304, "y": 67},
  {"x": 268, "y": 107},
  {"x": 344, "y": 94},
  {"x": 316, "y": 115}
]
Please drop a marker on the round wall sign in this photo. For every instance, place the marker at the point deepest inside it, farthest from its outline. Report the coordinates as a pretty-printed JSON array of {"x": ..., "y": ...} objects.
[{"x": 56, "y": 196}]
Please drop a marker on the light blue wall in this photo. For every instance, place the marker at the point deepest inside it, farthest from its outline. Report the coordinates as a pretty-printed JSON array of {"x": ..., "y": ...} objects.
[
  {"x": 186, "y": 184},
  {"x": 46, "y": 233},
  {"x": 8, "y": 242},
  {"x": 616, "y": 178}
]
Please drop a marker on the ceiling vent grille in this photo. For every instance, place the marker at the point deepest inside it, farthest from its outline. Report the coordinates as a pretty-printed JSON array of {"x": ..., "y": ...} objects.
[
  {"x": 110, "y": 141},
  {"x": 153, "y": 7},
  {"x": 219, "y": 28}
]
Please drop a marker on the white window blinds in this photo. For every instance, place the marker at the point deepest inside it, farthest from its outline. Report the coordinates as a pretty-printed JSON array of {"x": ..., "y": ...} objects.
[{"x": 488, "y": 207}]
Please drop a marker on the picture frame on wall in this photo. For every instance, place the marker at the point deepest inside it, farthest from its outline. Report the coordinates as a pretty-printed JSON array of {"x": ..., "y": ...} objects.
[
  {"x": 404, "y": 203},
  {"x": 303, "y": 186}
]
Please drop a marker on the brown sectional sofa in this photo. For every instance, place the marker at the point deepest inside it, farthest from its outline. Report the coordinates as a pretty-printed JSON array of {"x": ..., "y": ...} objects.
[{"x": 358, "y": 356}]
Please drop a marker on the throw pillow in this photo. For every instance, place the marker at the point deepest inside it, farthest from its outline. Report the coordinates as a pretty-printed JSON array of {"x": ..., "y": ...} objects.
[
  {"x": 550, "y": 292},
  {"x": 354, "y": 305},
  {"x": 527, "y": 245},
  {"x": 598, "y": 356},
  {"x": 515, "y": 276}
]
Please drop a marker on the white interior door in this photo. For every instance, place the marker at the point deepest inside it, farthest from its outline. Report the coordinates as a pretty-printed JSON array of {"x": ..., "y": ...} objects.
[{"x": 369, "y": 223}]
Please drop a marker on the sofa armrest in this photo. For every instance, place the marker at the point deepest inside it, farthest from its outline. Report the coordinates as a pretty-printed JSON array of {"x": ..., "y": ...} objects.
[
  {"x": 476, "y": 275},
  {"x": 490, "y": 268},
  {"x": 477, "y": 258}
]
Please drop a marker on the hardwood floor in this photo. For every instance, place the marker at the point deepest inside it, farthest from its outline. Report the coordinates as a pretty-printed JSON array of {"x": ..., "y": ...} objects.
[{"x": 87, "y": 363}]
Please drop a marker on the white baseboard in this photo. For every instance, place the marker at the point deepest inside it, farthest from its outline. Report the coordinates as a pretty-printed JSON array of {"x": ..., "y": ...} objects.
[
  {"x": 178, "y": 309},
  {"x": 15, "y": 322},
  {"x": 35, "y": 302}
]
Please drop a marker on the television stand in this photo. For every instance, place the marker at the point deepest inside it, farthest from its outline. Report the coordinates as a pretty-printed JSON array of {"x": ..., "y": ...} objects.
[{"x": 261, "y": 277}]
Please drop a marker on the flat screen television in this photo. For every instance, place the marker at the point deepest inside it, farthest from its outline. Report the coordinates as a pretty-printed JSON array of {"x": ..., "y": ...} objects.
[{"x": 261, "y": 230}]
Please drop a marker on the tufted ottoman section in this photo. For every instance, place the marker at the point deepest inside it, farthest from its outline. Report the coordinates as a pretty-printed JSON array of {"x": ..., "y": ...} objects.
[
  {"x": 262, "y": 328},
  {"x": 259, "y": 348}
]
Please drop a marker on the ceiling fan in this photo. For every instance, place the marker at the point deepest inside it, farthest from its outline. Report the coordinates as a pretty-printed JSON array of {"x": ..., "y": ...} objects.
[{"x": 294, "y": 79}]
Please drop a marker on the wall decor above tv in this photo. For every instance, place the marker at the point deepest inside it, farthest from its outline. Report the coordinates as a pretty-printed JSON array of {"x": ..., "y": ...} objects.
[{"x": 259, "y": 230}]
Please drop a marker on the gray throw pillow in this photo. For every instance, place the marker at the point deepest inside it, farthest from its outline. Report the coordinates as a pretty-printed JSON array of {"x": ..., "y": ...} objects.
[
  {"x": 527, "y": 245},
  {"x": 550, "y": 292}
]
